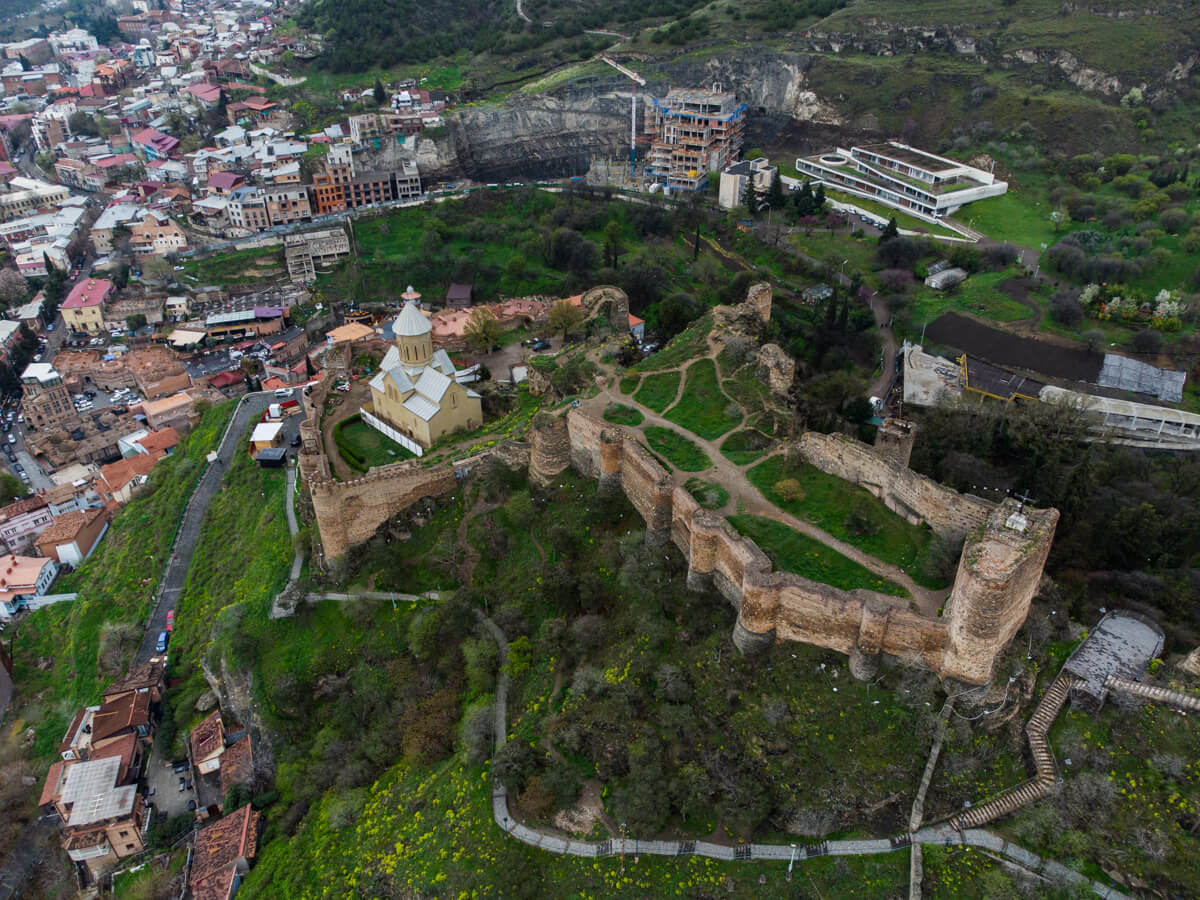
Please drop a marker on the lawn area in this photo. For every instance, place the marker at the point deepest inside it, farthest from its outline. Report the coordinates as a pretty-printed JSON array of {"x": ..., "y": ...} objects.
[
  {"x": 92, "y": 640},
  {"x": 706, "y": 493},
  {"x": 979, "y": 295},
  {"x": 791, "y": 551},
  {"x": 679, "y": 451},
  {"x": 363, "y": 447},
  {"x": 702, "y": 408},
  {"x": 745, "y": 446},
  {"x": 620, "y": 414},
  {"x": 234, "y": 266},
  {"x": 859, "y": 254},
  {"x": 630, "y": 383},
  {"x": 688, "y": 344},
  {"x": 658, "y": 391},
  {"x": 849, "y": 513},
  {"x": 1021, "y": 217}
]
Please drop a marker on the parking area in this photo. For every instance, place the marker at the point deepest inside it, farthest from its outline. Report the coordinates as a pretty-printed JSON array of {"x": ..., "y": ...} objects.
[{"x": 163, "y": 781}]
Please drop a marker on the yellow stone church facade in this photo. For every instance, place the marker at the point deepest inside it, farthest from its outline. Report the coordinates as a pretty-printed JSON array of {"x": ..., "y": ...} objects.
[{"x": 417, "y": 391}]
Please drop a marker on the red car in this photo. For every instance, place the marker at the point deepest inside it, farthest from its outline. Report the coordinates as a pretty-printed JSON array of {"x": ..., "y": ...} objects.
[{"x": 170, "y": 620}]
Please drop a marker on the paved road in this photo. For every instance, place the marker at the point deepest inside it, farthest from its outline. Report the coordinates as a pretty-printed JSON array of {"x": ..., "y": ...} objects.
[
  {"x": 171, "y": 585},
  {"x": 544, "y": 839}
]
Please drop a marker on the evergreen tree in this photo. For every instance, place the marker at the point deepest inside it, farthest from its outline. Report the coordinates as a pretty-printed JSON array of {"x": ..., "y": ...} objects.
[
  {"x": 831, "y": 310},
  {"x": 843, "y": 316},
  {"x": 890, "y": 231},
  {"x": 775, "y": 196},
  {"x": 804, "y": 200},
  {"x": 819, "y": 198},
  {"x": 750, "y": 198},
  {"x": 380, "y": 93}
]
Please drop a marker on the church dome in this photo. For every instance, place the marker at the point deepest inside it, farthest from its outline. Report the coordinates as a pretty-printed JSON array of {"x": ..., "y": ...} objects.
[{"x": 411, "y": 322}]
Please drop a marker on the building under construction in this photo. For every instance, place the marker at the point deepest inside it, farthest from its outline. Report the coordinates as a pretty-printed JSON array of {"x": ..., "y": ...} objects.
[{"x": 694, "y": 132}]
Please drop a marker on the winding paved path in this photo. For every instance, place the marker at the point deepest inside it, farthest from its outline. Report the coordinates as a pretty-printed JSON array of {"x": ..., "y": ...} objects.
[{"x": 940, "y": 834}]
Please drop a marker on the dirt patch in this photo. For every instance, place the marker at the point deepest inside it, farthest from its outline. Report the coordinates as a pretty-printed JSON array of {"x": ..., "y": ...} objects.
[
  {"x": 1004, "y": 349},
  {"x": 581, "y": 818},
  {"x": 1018, "y": 289}
]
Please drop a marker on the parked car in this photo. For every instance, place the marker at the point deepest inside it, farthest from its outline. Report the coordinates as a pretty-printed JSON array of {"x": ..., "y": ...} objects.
[
  {"x": 161, "y": 645},
  {"x": 182, "y": 782},
  {"x": 12, "y": 438},
  {"x": 296, "y": 441},
  {"x": 180, "y": 765},
  {"x": 170, "y": 620},
  {"x": 541, "y": 345}
]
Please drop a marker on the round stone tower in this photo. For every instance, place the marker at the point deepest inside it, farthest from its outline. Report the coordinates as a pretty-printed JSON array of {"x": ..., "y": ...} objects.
[{"x": 549, "y": 448}]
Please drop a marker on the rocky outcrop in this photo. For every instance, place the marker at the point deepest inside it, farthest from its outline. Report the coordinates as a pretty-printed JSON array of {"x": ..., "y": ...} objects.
[{"x": 776, "y": 369}]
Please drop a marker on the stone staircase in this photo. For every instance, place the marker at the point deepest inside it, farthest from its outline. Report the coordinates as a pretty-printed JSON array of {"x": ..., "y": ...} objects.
[
  {"x": 1151, "y": 692},
  {"x": 1037, "y": 730}
]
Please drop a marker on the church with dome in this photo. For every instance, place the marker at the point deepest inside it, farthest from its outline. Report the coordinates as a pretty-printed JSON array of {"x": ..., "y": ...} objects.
[{"x": 417, "y": 391}]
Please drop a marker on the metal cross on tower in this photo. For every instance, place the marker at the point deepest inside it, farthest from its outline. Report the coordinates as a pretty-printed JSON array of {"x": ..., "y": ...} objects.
[{"x": 1024, "y": 498}]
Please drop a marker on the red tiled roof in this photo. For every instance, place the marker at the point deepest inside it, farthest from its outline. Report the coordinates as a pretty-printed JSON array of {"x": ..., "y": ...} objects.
[
  {"x": 237, "y": 764},
  {"x": 24, "y": 505},
  {"x": 207, "y": 737},
  {"x": 123, "y": 471},
  {"x": 225, "y": 379},
  {"x": 88, "y": 292},
  {"x": 125, "y": 711},
  {"x": 159, "y": 442},
  {"x": 145, "y": 675},
  {"x": 223, "y": 843},
  {"x": 50, "y": 790}
]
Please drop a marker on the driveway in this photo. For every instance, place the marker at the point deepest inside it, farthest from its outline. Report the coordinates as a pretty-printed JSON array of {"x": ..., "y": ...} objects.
[
  {"x": 168, "y": 800},
  {"x": 249, "y": 409},
  {"x": 498, "y": 363}
]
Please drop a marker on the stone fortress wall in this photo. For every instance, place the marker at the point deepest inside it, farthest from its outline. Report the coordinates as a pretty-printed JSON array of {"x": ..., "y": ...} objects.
[
  {"x": 999, "y": 571},
  {"x": 350, "y": 512},
  {"x": 998, "y": 574}
]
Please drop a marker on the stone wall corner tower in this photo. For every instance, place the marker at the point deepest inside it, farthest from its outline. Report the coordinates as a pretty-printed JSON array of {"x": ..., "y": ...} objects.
[{"x": 998, "y": 575}]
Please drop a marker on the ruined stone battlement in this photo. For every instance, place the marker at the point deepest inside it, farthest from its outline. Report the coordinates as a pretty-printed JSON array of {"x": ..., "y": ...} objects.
[
  {"x": 999, "y": 572},
  {"x": 915, "y": 497}
]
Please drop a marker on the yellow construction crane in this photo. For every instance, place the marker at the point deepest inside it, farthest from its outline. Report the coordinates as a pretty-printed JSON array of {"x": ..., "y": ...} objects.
[{"x": 633, "y": 129}]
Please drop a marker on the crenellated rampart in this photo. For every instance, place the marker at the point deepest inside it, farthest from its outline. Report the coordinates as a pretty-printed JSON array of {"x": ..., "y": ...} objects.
[
  {"x": 998, "y": 574},
  {"x": 907, "y": 493},
  {"x": 1004, "y": 552}
]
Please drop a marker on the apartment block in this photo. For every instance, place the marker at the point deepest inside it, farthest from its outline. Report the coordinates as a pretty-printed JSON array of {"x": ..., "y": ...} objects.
[
  {"x": 694, "y": 132},
  {"x": 45, "y": 402}
]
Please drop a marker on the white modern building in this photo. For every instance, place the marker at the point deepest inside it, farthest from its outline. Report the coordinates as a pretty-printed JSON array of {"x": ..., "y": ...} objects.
[{"x": 902, "y": 177}]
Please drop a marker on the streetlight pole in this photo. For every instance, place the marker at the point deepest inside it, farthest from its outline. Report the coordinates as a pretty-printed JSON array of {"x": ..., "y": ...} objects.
[
  {"x": 791, "y": 862},
  {"x": 622, "y": 848}
]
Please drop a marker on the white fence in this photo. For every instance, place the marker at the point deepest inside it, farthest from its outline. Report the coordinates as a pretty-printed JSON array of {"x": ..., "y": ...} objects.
[{"x": 383, "y": 428}]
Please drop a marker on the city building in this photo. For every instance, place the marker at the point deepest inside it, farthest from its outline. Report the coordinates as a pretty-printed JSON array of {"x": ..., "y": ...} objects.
[
  {"x": 341, "y": 186},
  {"x": 416, "y": 394},
  {"x": 45, "y": 402},
  {"x": 223, "y": 853},
  {"x": 83, "y": 310},
  {"x": 902, "y": 177},
  {"x": 247, "y": 209},
  {"x": 734, "y": 179},
  {"x": 21, "y": 578},
  {"x": 287, "y": 204},
  {"x": 154, "y": 144},
  {"x": 306, "y": 252},
  {"x": 73, "y": 536},
  {"x": 156, "y": 235},
  {"x": 694, "y": 132},
  {"x": 103, "y": 819},
  {"x": 22, "y": 521},
  {"x": 26, "y": 196}
]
